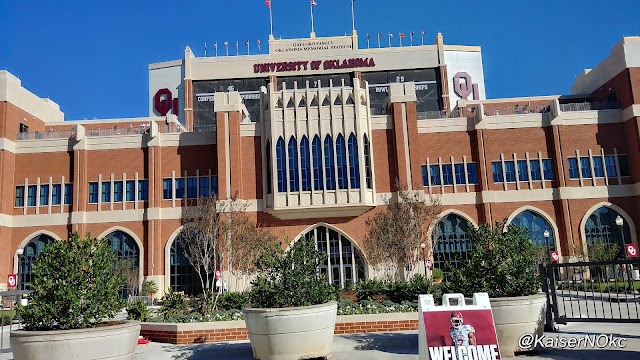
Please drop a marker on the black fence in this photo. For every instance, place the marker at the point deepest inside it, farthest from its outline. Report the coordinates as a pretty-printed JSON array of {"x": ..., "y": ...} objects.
[
  {"x": 8, "y": 318},
  {"x": 593, "y": 291}
]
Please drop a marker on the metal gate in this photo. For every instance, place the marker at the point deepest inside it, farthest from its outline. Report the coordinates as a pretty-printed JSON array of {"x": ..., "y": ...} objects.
[
  {"x": 592, "y": 291},
  {"x": 8, "y": 318}
]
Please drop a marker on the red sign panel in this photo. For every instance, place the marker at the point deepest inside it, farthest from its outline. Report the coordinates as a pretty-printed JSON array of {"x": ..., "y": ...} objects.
[
  {"x": 12, "y": 280},
  {"x": 554, "y": 256},
  {"x": 429, "y": 265},
  {"x": 632, "y": 250},
  {"x": 218, "y": 274}
]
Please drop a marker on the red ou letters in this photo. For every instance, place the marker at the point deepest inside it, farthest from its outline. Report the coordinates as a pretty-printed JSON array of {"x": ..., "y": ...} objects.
[{"x": 164, "y": 101}]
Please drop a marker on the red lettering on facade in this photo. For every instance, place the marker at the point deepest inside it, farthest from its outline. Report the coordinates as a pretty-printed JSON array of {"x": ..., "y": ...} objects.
[
  {"x": 163, "y": 101},
  {"x": 313, "y": 65}
]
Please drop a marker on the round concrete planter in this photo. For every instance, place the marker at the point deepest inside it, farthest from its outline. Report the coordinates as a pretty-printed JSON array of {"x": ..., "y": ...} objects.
[
  {"x": 291, "y": 333},
  {"x": 516, "y": 316},
  {"x": 108, "y": 342}
]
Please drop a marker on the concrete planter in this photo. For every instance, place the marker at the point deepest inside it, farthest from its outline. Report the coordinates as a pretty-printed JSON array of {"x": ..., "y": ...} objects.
[
  {"x": 516, "y": 316},
  {"x": 116, "y": 342},
  {"x": 292, "y": 333}
]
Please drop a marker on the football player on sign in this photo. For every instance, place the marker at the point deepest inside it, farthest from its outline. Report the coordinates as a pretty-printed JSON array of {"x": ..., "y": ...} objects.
[{"x": 461, "y": 334}]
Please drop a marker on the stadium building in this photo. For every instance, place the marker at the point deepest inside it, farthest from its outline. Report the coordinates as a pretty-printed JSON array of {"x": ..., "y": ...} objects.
[{"x": 314, "y": 135}]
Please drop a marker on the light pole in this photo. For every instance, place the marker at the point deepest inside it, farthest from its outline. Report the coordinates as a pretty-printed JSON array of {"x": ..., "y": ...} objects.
[
  {"x": 546, "y": 242},
  {"x": 19, "y": 252},
  {"x": 620, "y": 222},
  {"x": 424, "y": 259}
]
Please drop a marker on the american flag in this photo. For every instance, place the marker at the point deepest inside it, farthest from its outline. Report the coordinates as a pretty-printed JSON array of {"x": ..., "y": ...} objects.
[
  {"x": 313, "y": 3},
  {"x": 268, "y": 3}
]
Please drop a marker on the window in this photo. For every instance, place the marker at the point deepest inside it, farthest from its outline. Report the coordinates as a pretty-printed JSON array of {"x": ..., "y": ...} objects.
[
  {"x": 93, "y": 192},
  {"x": 547, "y": 168},
  {"x": 106, "y": 192},
  {"x": 341, "y": 158},
  {"x": 509, "y": 171},
  {"x": 269, "y": 187},
  {"x": 624, "y": 165},
  {"x": 19, "y": 196},
  {"x": 204, "y": 186},
  {"x": 523, "y": 173},
  {"x": 56, "y": 194},
  {"x": 610, "y": 165},
  {"x": 328, "y": 163},
  {"x": 143, "y": 190},
  {"x": 131, "y": 190},
  {"x": 316, "y": 149},
  {"x": 472, "y": 173},
  {"x": 192, "y": 187},
  {"x": 44, "y": 195},
  {"x": 214, "y": 184},
  {"x": 450, "y": 242},
  {"x": 354, "y": 165},
  {"x": 24, "y": 128},
  {"x": 179, "y": 188},
  {"x": 305, "y": 164},
  {"x": 281, "y": 166},
  {"x": 68, "y": 194},
  {"x": 585, "y": 167},
  {"x": 117, "y": 191},
  {"x": 447, "y": 176},
  {"x": 459, "y": 170},
  {"x": 167, "y": 189},
  {"x": 434, "y": 172},
  {"x": 425, "y": 175},
  {"x": 496, "y": 167},
  {"x": 573, "y": 168},
  {"x": 534, "y": 167},
  {"x": 598, "y": 168},
  {"x": 294, "y": 179},
  {"x": 367, "y": 162}
]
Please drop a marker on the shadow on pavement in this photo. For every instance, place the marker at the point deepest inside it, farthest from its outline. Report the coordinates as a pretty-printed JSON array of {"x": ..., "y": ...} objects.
[
  {"x": 397, "y": 343},
  {"x": 585, "y": 354},
  {"x": 236, "y": 351}
]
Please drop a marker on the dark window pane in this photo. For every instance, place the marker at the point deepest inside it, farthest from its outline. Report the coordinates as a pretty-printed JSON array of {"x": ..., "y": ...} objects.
[
  {"x": 573, "y": 168},
  {"x": 496, "y": 168}
]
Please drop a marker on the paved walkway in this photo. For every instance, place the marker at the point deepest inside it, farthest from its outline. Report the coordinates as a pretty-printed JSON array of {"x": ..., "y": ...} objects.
[{"x": 404, "y": 345}]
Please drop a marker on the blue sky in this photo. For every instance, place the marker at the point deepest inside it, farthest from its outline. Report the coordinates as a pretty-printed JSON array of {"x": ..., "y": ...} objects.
[{"x": 92, "y": 57}]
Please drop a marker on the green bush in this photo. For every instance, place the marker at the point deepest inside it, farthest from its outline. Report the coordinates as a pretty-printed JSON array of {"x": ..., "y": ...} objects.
[
  {"x": 205, "y": 302},
  {"x": 500, "y": 263},
  {"x": 149, "y": 287},
  {"x": 369, "y": 289},
  {"x": 437, "y": 273},
  {"x": 73, "y": 286},
  {"x": 233, "y": 300},
  {"x": 173, "y": 304},
  {"x": 601, "y": 251},
  {"x": 138, "y": 310},
  {"x": 290, "y": 278}
]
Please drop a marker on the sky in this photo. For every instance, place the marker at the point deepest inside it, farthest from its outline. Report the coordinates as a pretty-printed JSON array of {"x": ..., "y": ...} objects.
[{"x": 92, "y": 57}]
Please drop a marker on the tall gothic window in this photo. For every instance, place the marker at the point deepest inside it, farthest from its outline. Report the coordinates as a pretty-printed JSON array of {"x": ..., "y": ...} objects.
[
  {"x": 126, "y": 249},
  {"x": 601, "y": 228},
  {"x": 535, "y": 226},
  {"x": 354, "y": 164},
  {"x": 341, "y": 157},
  {"x": 281, "y": 165},
  {"x": 367, "y": 162},
  {"x": 450, "y": 242},
  {"x": 305, "y": 164},
  {"x": 316, "y": 149},
  {"x": 183, "y": 275},
  {"x": 294, "y": 179},
  {"x": 32, "y": 250},
  {"x": 329, "y": 164}
]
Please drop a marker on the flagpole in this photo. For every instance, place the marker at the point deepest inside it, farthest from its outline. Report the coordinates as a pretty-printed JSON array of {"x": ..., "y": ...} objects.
[
  {"x": 353, "y": 15},
  {"x": 401, "y": 39},
  {"x": 215, "y": 45},
  {"x": 312, "y": 28},
  {"x": 205, "y": 49},
  {"x": 379, "y": 36},
  {"x": 390, "y": 39},
  {"x": 271, "y": 20}
]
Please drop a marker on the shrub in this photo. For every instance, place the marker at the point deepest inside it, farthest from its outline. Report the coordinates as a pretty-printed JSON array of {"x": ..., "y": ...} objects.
[
  {"x": 205, "y": 302},
  {"x": 138, "y": 310},
  {"x": 601, "y": 251},
  {"x": 369, "y": 289},
  {"x": 290, "y": 278},
  {"x": 437, "y": 273},
  {"x": 233, "y": 300},
  {"x": 149, "y": 287},
  {"x": 173, "y": 304},
  {"x": 500, "y": 263},
  {"x": 73, "y": 286}
]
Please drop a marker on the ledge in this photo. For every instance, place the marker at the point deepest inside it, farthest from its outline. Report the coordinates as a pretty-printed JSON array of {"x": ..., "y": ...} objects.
[{"x": 334, "y": 210}]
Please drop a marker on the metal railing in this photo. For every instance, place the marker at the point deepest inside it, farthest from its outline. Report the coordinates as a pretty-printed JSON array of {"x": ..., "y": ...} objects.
[
  {"x": 40, "y": 135},
  {"x": 116, "y": 131},
  {"x": 171, "y": 129},
  {"x": 204, "y": 128},
  {"x": 587, "y": 106},
  {"x": 443, "y": 114},
  {"x": 147, "y": 299},
  {"x": 8, "y": 317},
  {"x": 517, "y": 110}
]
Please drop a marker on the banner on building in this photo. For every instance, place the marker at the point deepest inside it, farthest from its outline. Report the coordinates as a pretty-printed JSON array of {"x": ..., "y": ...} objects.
[{"x": 457, "y": 331}]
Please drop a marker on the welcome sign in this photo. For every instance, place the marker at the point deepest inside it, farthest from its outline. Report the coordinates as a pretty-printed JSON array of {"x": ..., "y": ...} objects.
[{"x": 457, "y": 332}]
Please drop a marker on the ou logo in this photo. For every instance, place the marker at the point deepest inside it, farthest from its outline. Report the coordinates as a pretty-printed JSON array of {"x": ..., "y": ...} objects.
[
  {"x": 463, "y": 86},
  {"x": 163, "y": 101}
]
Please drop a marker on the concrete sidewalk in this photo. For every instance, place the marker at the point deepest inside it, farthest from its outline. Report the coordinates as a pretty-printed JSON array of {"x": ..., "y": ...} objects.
[{"x": 404, "y": 345}]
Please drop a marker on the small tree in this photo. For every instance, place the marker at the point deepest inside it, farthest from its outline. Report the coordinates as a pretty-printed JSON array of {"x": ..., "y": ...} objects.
[
  {"x": 127, "y": 269},
  {"x": 395, "y": 234}
]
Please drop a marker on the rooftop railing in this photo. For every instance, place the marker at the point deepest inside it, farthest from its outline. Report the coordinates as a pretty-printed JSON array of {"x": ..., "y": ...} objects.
[
  {"x": 517, "y": 110},
  {"x": 586, "y": 106},
  {"x": 171, "y": 129},
  {"x": 40, "y": 135},
  {"x": 443, "y": 114},
  {"x": 204, "y": 128},
  {"x": 116, "y": 131}
]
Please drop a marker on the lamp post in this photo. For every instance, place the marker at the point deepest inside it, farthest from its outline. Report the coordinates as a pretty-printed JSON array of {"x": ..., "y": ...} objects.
[
  {"x": 546, "y": 242},
  {"x": 424, "y": 259},
  {"x": 620, "y": 222},
  {"x": 19, "y": 252}
]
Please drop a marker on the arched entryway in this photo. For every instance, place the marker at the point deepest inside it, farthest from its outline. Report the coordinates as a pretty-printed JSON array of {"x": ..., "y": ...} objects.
[
  {"x": 450, "y": 242},
  {"x": 180, "y": 275},
  {"x": 128, "y": 256},
  {"x": 345, "y": 262},
  {"x": 536, "y": 226},
  {"x": 601, "y": 227},
  {"x": 30, "y": 254}
]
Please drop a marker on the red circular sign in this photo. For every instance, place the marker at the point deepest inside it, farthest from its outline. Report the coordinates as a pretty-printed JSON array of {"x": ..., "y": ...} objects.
[{"x": 218, "y": 274}]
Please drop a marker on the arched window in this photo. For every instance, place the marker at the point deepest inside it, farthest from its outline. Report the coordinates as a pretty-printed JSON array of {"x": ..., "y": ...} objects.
[
  {"x": 268, "y": 156},
  {"x": 345, "y": 263},
  {"x": 601, "y": 227},
  {"x": 341, "y": 158},
  {"x": 128, "y": 253},
  {"x": 535, "y": 225},
  {"x": 305, "y": 164},
  {"x": 294, "y": 184},
  {"x": 183, "y": 275},
  {"x": 32, "y": 250},
  {"x": 354, "y": 164},
  {"x": 316, "y": 149},
  {"x": 367, "y": 162},
  {"x": 450, "y": 242},
  {"x": 328, "y": 163},
  {"x": 281, "y": 165}
]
